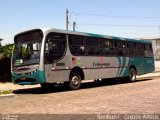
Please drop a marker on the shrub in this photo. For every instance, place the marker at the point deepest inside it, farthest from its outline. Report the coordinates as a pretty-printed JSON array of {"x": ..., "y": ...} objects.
[{"x": 5, "y": 63}]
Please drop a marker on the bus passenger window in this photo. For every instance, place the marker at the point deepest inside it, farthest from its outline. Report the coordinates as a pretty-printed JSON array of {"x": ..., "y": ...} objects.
[
  {"x": 92, "y": 44},
  {"x": 118, "y": 48},
  {"x": 140, "y": 50},
  {"x": 106, "y": 46},
  {"x": 55, "y": 47},
  {"x": 148, "y": 50},
  {"x": 76, "y": 45}
]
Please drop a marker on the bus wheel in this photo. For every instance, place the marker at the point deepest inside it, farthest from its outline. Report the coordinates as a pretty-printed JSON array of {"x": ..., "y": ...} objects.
[
  {"x": 75, "y": 81},
  {"x": 132, "y": 75}
]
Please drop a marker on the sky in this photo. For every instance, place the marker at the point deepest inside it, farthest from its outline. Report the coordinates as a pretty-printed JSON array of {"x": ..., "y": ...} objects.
[{"x": 123, "y": 18}]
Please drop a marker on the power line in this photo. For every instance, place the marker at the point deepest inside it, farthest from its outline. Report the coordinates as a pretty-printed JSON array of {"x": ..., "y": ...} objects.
[
  {"x": 91, "y": 24},
  {"x": 70, "y": 15},
  {"x": 112, "y": 16},
  {"x": 77, "y": 27}
]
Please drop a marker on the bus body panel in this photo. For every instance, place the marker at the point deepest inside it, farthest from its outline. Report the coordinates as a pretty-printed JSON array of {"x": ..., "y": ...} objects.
[{"x": 143, "y": 65}]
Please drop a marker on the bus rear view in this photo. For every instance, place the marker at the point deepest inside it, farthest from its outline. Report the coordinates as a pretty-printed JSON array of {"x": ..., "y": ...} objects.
[{"x": 26, "y": 58}]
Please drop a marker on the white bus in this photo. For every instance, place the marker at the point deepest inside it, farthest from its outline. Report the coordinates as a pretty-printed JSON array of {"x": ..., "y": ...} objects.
[{"x": 43, "y": 56}]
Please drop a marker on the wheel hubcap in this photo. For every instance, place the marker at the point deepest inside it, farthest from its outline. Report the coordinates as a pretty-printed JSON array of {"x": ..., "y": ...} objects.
[
  {"x": 75, "y": 80},
  {"x": 132, "y": 75}
]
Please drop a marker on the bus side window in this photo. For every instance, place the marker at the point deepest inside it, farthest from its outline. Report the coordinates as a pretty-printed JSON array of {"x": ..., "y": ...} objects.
[
  {"x": 148, "y": 50},
  {"x": 124, "y": 48},
  {"x": 92, "y": 45},
  {"x": 55, "y": 47},
  {"x": 76, "y": 45},
  {"x": 107, "y": 47},
  {"x": 118, "y": 48},
  {"x": 130, "y": 49},
  {"x": 140, "y": 50}
]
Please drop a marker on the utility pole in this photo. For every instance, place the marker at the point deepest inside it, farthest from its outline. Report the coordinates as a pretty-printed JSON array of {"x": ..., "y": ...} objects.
[
  {"x": 74, "y": 26},
  {"x": 67, "y": 21}
]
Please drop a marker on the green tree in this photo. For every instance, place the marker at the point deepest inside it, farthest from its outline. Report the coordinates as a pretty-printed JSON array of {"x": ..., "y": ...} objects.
[
  {"x": 0, "y": 45},
  {"x": 5, "y": 62},
  {"x": 7, "y": 50}
]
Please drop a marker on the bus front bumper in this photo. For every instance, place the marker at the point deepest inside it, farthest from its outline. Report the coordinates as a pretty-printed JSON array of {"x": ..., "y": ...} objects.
[{"x": 37, "y": 77}]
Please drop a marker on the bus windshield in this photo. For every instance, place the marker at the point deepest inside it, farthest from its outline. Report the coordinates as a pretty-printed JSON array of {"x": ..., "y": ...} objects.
[{"x": 27, "y": 48}]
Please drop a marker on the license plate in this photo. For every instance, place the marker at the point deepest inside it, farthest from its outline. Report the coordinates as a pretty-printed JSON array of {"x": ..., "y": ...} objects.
[{"x": 23, "y": 78}]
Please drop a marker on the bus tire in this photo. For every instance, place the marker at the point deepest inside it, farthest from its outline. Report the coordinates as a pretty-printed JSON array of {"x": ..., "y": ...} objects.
[
  {"x": 132, "y": 75},
  {"x": 74, "y": 81}
]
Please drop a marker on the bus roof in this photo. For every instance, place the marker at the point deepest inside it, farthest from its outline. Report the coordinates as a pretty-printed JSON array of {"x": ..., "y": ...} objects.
[
  {"x": 96, "y": 35},
  {"x": 87, "y": 34}
]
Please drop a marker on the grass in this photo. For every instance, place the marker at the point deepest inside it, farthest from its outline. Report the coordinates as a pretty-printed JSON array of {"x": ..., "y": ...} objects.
[{"x": 4, "y": 92}]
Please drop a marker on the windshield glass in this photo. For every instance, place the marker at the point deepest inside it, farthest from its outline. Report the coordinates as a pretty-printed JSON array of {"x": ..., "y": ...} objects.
[{"x": 27, "y": 48}]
